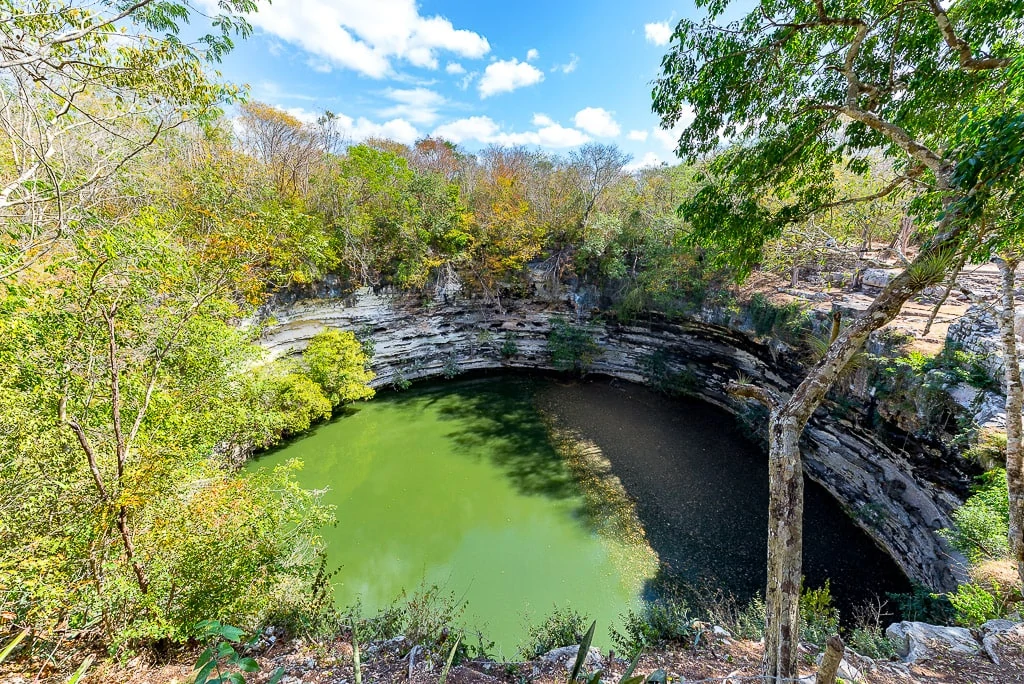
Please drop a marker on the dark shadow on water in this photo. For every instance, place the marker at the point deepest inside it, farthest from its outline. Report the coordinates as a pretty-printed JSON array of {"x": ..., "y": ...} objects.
[
  {"x": 498, "y": 421},
  {"x": 701, "y": 491}
]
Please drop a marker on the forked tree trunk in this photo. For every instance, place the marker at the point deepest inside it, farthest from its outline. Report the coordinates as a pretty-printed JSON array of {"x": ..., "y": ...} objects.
[
  {"x": 1014, "y": 403},
  {"x": 786, "y": 424}
]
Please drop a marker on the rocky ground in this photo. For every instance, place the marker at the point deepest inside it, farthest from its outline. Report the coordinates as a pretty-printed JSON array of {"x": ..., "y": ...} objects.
[{"x": 949, "y": 655}]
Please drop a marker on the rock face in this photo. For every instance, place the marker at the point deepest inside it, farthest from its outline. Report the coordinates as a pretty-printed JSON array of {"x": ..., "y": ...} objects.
[
  {"x": 898, "y": 491},
  {"x": 918, "y": 640}
]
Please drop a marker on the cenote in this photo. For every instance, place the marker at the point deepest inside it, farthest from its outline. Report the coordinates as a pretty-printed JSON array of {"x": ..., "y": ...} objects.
[{"x": 521, "y": 493}]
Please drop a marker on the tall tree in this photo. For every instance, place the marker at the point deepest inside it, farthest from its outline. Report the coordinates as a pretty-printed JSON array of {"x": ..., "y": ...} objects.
[
  {"x": 84, "y": 88},
  {"x": 799, "y": 87}
]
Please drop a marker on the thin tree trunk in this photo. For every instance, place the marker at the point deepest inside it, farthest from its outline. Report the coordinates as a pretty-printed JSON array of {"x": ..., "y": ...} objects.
[
  {"x": 786, "y": 424},
  {"x": 785, "y": 546},
  {"x": 1014, "y": 403}
]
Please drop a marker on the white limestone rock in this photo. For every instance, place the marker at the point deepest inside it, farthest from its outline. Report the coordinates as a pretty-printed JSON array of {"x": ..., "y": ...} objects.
[
  {"x": 567, "y": 656},
  {"x": 919, "y": 640}
]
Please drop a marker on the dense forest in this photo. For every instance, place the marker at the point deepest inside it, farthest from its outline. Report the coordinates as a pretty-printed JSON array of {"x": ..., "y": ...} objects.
[{"x": 149, "y": 210}]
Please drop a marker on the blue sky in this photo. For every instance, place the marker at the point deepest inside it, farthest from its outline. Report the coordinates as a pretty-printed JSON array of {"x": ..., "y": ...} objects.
[{"x": 548, "y": 74}]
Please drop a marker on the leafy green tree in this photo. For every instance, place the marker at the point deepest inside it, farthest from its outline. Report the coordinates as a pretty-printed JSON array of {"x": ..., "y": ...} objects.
[
  {"x": 122, "y": 381},
  {"x": 572, "y": 347},
  {"x": 87, "y": 88},
  {"x": 335, "y": 361},
  {"x": 798, "y": 88}
]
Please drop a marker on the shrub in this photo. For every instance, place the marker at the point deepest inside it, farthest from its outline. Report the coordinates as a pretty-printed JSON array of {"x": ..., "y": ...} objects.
[
  {"x": 337, "y": 362},
  {"x": 658, "y": 374},
  {"x": 659, "y": 623},
  {"x": 921, "y": 605},
  {"x": 509, "y": 347},
  {"x": 744, "y": 622},
  {"x": 428, "y": 617},
  {"x": 452, "y": 367},
  {"x": 867, "y": 636},
  {"x": 819, "y": 618},
  {"x": 563, "y": 627},
  {"x": 572, "y": 347},
  {"x": 872, "y": 642},
  {"x": 974, "y": 604},
  {"x": 788, "y": 322},
  {"x": 989, "y": 449},
  {"x": 980, "y": 526}
]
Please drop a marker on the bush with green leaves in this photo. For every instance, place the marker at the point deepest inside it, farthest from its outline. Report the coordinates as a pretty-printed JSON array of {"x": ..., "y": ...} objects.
[
  {"x": 988, "y": 449},
  {"x": 220, "y": 662},
  {"x": 974, "y": 604},
  {"x": 980, "y": 525},
  {"x": 871, "y": 641},
  {"x": 819, "y": 618},
  {"x": 337, "y": 361},
  {"x": 658, "y": 623},
  {"x": 563, "y": 627},
  {"x": 659, "y": 374},
  {"x": 428, "y": 616},
  {"x": 509, "y": 347},
  {"x": 922, "y": 605},
  {"x": 788, "y": 322},
  {"x": 572, "y": 347}
]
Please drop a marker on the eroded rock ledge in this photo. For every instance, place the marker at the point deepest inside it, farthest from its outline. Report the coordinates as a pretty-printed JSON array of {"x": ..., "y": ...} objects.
[{"x": 899, "y": 490}]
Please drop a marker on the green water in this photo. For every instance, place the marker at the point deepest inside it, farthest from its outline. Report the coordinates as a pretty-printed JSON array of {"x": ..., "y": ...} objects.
[{"x": 460, "y": 485}]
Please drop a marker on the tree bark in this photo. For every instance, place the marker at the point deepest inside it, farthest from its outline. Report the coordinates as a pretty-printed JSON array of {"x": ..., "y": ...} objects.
[
  {"x": 785, "y": 546},
  {"x": 830, "y": 661},
  {"x": 786, "y": 424},
  {"x": 1014, "y": 403}
]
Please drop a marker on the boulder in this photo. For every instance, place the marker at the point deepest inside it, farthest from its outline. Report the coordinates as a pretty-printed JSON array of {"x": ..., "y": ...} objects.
[
  {"x": 567, "y": 656},
  {"x": 919, "y": 640},
  {"x": 992, "y": 633},
  {"x": 878, "y": 277}
]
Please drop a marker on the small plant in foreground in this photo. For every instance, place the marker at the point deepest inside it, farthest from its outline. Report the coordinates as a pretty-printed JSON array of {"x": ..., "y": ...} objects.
[
  {"x": 819, "y": 619},
  {"x": 563, "y": 627},
  {"x": 867, "y": 636},
  {"x": 220, "y": 663},
  {"x": 577, "y": 674},
  {"x": 658, "y": 623}
]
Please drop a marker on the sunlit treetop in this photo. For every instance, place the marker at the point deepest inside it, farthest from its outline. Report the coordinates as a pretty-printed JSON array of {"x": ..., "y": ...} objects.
[{"x": 798, "y": 87}]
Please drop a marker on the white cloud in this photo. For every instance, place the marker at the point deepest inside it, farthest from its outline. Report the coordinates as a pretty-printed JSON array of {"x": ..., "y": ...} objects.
[
  {"x": 484, "y": 130},
  {"x": 639, "y": 136},
  {"x": 467, "y": 80},
  {"x": 365, "y": 36},
  {"x": 647, "y": 161},
  {"x": 658, "y": 33},
  {"x": 598, "y": 122},
  {"x": 357, "y": 130},
  {"x": 504, "y": 76},
  {"x": 360, "y": 129},
  {"x": 569, "y": 66},
  {"x": 419, "y": 105},
  {"x": 532, "y": 54},
  {"x": 455, "y": 68}
]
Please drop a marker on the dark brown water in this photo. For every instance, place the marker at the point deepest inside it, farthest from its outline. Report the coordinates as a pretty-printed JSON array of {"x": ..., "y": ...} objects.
[{"x": 702, "y": 494}]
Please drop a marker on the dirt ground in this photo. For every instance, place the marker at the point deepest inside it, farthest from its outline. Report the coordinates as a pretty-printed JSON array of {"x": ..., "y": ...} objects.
[{"x": 725, "y": 661}]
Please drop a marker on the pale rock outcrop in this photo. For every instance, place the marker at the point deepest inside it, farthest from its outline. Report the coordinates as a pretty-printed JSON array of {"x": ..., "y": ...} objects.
[{"x": 919, "y": 640}]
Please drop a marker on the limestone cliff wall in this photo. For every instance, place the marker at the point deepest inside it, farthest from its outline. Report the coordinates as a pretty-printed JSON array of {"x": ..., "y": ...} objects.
[{"x": 898, "y": 490}]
